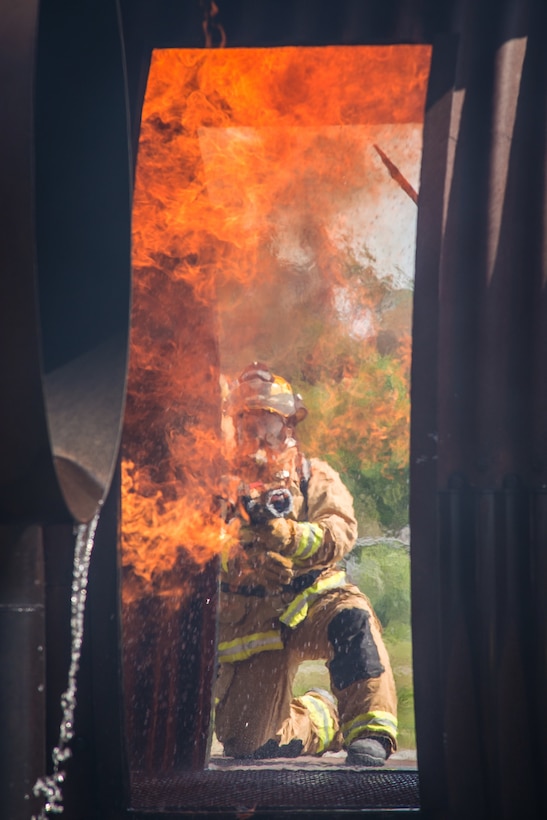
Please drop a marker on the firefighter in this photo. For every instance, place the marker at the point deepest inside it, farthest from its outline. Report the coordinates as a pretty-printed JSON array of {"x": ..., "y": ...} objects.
[{"x": 285, "y": 600}]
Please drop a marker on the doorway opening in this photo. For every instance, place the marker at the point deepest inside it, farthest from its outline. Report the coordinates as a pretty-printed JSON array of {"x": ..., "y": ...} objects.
[{"x": 274, "y": 220}]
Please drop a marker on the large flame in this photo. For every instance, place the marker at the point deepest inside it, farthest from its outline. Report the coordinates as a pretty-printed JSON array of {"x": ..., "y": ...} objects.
[{"x": 253, "y": 168}]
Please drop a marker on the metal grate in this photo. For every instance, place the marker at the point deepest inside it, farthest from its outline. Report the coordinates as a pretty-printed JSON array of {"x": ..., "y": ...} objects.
[{"x": 276, "y": 789}]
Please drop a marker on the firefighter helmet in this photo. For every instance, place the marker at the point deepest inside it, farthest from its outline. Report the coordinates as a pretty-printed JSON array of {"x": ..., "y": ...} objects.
[{"x": 257, "y": 388}]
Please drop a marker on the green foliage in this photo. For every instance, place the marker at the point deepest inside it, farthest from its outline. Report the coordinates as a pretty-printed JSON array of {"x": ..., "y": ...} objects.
[
  {"x": 382, "y": 572},
  {"x": 360, "y": 416},
  {"x": 380, "y": 496}
]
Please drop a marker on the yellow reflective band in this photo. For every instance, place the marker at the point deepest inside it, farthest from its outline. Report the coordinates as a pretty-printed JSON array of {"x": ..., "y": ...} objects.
[
  {"x": 322, "y": 720},
  {"x": 311, "y": 538},
  {"x": 298, "y": 609},
  {"x": 242, "y": 648},
  {"x": 382, "y": 722}
]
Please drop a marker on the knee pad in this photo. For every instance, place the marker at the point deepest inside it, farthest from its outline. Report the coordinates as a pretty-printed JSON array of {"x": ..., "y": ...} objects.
[{"x": 356, "y": 655}]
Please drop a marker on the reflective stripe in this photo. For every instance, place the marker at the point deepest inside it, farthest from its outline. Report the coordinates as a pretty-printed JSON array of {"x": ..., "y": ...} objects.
[
  {"x": 382, "y": 722},
  {"x": 321, "y": 718},
  {"x": 298, "y": 608},
  {"x": 311, "y": 538},
  {"x": 242, "y": 648}
]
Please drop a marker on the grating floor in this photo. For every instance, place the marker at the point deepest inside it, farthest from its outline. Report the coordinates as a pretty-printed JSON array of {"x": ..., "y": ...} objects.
[{"x": 242, "y": 788}]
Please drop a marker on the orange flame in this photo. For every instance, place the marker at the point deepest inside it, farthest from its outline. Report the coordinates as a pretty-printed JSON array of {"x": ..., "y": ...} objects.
[{"x": 247, "y": 175}]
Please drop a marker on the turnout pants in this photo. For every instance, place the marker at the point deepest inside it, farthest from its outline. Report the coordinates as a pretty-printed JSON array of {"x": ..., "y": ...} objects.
[{"x": 254, "y": 696}]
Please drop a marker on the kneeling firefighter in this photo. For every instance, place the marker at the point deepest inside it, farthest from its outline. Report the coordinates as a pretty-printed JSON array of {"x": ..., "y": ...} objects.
[{"x": 284, "y": 600}]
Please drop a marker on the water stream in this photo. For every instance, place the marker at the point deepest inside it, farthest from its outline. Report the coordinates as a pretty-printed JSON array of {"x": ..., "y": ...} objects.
[{"x": 50, "y": 786}]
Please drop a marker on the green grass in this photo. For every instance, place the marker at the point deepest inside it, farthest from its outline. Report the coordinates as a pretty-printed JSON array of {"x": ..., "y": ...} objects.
[
  {"x": 311, "y": 675},
  {"x": 400, "y": 653}
]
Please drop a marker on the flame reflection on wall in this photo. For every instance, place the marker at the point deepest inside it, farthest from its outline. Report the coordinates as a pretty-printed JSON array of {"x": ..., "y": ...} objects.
[{"x": 265, "y": 227}]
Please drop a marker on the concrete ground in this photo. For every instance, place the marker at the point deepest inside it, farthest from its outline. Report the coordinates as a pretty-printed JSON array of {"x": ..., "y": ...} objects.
[{"x": 402, "y": 759}]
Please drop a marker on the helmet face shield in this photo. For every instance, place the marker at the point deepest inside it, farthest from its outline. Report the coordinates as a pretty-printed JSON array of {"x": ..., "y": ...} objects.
[
  {"x": 260, "y": 429},
  {"x": 264, "y": 411}
]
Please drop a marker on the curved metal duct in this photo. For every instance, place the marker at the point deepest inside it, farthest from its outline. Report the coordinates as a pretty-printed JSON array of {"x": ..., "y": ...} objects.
[
  {"x": 64, "y": 316},
  {"x": 65, "y": 258}
]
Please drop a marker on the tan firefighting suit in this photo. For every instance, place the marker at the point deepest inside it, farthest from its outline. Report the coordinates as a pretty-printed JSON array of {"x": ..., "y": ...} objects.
[{"x": 264, "y": 636}]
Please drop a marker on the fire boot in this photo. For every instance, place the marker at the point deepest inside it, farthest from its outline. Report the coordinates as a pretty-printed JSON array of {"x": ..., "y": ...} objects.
[{"x": 368, "y": 751}]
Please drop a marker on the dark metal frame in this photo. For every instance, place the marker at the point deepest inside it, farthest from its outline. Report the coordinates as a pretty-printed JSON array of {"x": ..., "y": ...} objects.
[{"x": 73, "y": 75}]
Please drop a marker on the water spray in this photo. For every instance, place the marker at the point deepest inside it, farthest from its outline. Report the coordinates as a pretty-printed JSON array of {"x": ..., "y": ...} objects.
[{"x": 50, "y": 786}]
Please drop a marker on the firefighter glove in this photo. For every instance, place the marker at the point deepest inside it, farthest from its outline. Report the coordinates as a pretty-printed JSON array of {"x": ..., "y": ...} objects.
[
  {"x": 277, "y": 535},
  {"x": 276, "y": 570},
  {"x": 301, "y": 540}
]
